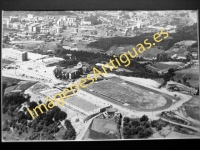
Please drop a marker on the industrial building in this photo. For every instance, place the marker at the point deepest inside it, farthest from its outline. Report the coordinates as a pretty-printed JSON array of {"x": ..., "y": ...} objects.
[{"x": 14, "y": 54}]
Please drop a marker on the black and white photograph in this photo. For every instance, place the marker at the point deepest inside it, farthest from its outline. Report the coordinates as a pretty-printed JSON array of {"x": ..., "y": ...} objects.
[{"x": 94, "y": 75}]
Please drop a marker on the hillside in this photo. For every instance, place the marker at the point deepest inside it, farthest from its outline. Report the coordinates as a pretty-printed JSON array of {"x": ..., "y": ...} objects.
[
  {"x": 152, "y": 52},
  {"x": 182, "y": 33},
  {"x": 173, "y": 51}
]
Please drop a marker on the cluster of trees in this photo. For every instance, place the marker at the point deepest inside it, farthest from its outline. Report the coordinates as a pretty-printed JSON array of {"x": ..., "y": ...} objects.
[
  {"x": 106, "y": 43},
  {"x": 168, "y": 76},
  {"x": 6, "y": 40},
  {"x": 67, "y": 62},
  {"x": 12, "y": 102},
  {"x": 88, "y": 57},
  {"x": 158, "y": 124},
  {"x": 139, "y": 70},
  {"x": 182, "y": 33},
  {"x": 194, "y": 45},
  {"x": 172, "y": 117},
  {"x": 70, "y": 133},
  {"x": 183, "y": 130},
  {"x": 94, "y": 20},
  {"x": 44, "y": 126},
  {"x": 184, "y": 81},
  {"x": 162, "y": 57},
  {"x": 136, "y": 128}
]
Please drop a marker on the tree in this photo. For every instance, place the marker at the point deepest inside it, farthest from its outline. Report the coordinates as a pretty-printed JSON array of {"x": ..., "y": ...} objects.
[
  {"x": 54, "y": 110},
  {"x": 70, "y": 134},
  {"x": 135, "y": 123},
  {"x": 24, "y": 109},
  {"x": 56, "y": 117},
  {"x": 49, "y": 137},
  {"x": 48, "y": 117},
  {"x": 21, "y": 116},
  {"x": 126, "y": 120},
  {"x": 148, "y": 132},
  {"x": 169, "y": 75},
  {"x": 127, "y": 131},
  {"x": 141, "y": 134},
  {"x": 144, "y": 118},
  {"x": 6, "y": 126},
  {"x": 147, "y": 125},
  {"x": 23, "y": 121},
  {"x": 29, "y": 124},
  {"x": 158, "y": 127},
  {"x": 32, "y": 105},
  {"x": 67, "y": 124},
  {"x": 179, "y": 81},
  {"x": 28, "y": 116},
  {"x": 6, "y": 40},
  {"x": 153, "y": 123},
  {"x": 62, "y": 115},
  {"x": 184, "y": 78},
  {"x": 187, "y": 84}
]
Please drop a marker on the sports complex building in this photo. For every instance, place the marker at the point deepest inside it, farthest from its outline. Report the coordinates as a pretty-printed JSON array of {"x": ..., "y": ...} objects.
[
  {"x": 14, "y": 54},
  {"x": 114, "y": 91}
]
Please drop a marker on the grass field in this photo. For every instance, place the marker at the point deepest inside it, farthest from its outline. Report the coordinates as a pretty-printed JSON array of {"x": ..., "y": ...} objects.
[
  {"x": 191, "y": 73},
  {"x": 192, "y": 108},
  {"x": 80, "y": 103},
  {"x": 25, "y": 86},
  {"x": 38, "y": 87},
  {"x": 119, "y": 91},
  {"x": 10, "y": 88},
  {"x": 165, "y": 65},
  {"x": 10, "y": 81},
  {"x": 12, "y": 84},
  {"x": 152, "y": 52}
]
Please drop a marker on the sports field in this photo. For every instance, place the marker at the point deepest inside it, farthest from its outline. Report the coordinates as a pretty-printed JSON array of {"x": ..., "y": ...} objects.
[
  {"x": 139, "y": 98},
  {"x": 81, "y": 103}
]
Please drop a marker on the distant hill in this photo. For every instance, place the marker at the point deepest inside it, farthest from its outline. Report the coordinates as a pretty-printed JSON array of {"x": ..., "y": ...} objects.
[
  {"x": 181, "y": 48},
  {"x": 152, "y": 52},
  {"x": 182, "y": 33}
]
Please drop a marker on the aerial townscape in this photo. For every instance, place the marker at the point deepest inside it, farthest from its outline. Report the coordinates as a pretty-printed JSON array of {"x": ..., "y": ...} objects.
[{"x": 69, "y": 75}]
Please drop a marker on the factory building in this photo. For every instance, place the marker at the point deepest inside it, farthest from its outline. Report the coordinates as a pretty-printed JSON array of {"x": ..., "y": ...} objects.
[{"x": 14, "y": 54}]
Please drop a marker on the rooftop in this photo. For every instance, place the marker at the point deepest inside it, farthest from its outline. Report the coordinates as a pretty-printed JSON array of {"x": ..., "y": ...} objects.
[{"x": 19, "y": 51}]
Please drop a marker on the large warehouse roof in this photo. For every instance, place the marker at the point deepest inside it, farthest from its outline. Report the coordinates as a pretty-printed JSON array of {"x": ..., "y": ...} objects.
[{"x": 12, "y": 50}]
